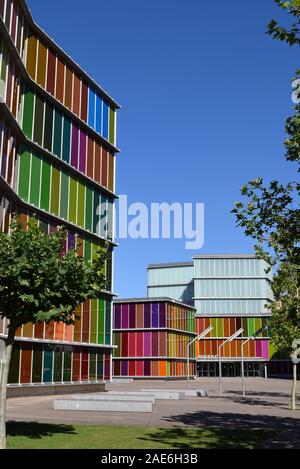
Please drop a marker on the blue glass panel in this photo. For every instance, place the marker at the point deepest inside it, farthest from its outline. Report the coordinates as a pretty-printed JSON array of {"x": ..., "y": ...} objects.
[
  {"x": 99, "y": 114},
  {"x": 92, "y": 97},
  {"x": 105, "y": 120}
]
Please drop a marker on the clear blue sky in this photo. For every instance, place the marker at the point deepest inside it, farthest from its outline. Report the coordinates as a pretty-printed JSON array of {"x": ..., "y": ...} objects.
[{"x": 204, "y": 94}]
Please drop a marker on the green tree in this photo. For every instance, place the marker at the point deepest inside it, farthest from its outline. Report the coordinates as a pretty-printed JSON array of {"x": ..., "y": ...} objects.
[
  {"x": 39, "y": 283},
  {"x": 271, "y": 216}
]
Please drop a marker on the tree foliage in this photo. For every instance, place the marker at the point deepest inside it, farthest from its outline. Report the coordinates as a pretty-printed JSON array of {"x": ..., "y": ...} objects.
[
  {"x": 271, "y": 216},
  {"x": 38, "y": 282},
  {"x": 289, "y": 35}
]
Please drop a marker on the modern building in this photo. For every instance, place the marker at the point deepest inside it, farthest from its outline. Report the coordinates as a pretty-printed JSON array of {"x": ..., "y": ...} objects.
[
  {"x": 57, "y": 161},
  {"x": 229, "y": 292},
  {"x": 151, "y": 336}
]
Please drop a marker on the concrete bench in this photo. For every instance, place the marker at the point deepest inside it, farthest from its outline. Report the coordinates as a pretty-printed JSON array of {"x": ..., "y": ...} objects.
[
  {"x": 103, "y": 405},
  {"x": 115, "y": 396},
  {"x": 122, "y": 381},
  {"x": 159, "y": 394}
]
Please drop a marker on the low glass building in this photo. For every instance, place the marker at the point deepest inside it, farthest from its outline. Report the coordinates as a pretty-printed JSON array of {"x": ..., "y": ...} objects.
[{"x": 151, "y": 336}]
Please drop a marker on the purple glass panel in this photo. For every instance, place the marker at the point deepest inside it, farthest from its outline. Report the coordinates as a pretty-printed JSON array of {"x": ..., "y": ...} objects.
[
  {"x": 71, "y": 240},
  {"x": 124, "y": 368},
  {"x": 258, "y": 349},
  {"x": 147, "y": 344},
  {"x": 117, "y": 316},
  {"x": 132, "y": 316},
  {"x": 265, "y": 349},
  {"x": 74, "y": 152},
  {"x": 82, "y": 152},
  {"x": 147, "y": 315},
  {"x": 53, "y": 228},
  {"x": 147, "y": 368},
  {"x": 154, "y": 313},
  {"x": 124, "y": 318},
  {"x": 162, "y": 315}
]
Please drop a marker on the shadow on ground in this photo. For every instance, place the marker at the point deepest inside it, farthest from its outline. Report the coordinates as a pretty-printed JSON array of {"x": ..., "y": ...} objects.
[
  {"x": 285, "y": 432},
  {"x": 35, "y": 430},
  {"x": 209, "y": 438}
]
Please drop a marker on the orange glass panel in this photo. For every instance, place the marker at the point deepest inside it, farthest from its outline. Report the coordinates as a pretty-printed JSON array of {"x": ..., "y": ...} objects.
[
  {"x": 41, "y": 68},
  {"x": 60, "y": 80},
  {"x": 31, "y": 56},
  {"x": 28, "y": 330},
  {"x": 69, "y": 88},
  {"x": 59, "y": 331},
  {"x": 163, "y": 368},
  {"x": 76, "y": 95}
]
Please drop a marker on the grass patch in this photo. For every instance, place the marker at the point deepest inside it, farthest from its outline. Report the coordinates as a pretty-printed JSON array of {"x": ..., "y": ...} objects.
[{"x": 47, "y": 436}]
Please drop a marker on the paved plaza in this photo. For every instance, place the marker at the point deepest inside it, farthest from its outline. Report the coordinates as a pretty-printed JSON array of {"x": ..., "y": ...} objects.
[{"x": 265, "y": 406}]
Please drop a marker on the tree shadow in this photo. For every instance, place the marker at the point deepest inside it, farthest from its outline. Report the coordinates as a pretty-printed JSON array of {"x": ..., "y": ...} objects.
[
  {"x": 209, "y": 438},
  {"x": 263, "y": 393},
  {"x": 35, "y": 430},
  {"x": 286, "y": 431}
]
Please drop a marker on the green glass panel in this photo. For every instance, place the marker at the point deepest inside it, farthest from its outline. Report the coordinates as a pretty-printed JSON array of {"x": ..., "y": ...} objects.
[
  {"x": 108, "y": 323},
  {"x": 264, "y": 324},
  {"x": 48, "y": 127},
  {"x": 36, "y": 166},
  {"x": 93, "y": 321},
  {"x": 24, "y": 174},
  {"x": 38, "y": 121},
  {"x": 73, "y": 201},
  {"x": 57, "y": 134},
  {"x": 37, "y": 363},
  {"x": 112, "y": 126},
  {"x": 220, "y": 327},
  {"x": 214, "y": 332},
  {"x": 3, "y": 71},
  {"x": 55, "y": 189},
  {"x": 92, "y": 370},
  {"x": 57, "y": 377},
  {"x": 251, "y": 326},
  {"x": 28, "y": 112},
  {"x": 45, "y": 189},
  {"x": 101, "y": 312},
  {"x": 116, "y": 341},
  {"x": 96, "y": 212},
  {"x": 100, "y": 367},
  {"x": 48, "y": 361},
  {"x": 88, "y": 209},
  {"x": 258, "y": 325},
  {"x": 81, "y": 205},
  {"x": 245, "y": 327},
  {"x": 67, "y": 367},
  {"x": 64, "y": 195},
  {"x": 87, "y": 250},
  {"x": 66, "y": 140}
]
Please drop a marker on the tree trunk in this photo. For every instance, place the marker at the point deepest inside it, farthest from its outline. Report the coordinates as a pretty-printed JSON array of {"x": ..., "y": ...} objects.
[
  {"x": 5, "y": 363},
  {"x": 294, "y": 386}
]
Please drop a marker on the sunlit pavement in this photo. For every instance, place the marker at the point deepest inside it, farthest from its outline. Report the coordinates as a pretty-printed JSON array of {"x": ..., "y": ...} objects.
[{"x": 266, "y": 405}]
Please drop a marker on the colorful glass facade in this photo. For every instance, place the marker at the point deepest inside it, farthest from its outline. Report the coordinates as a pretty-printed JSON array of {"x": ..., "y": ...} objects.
[
  {"x": 57, "y": 162},
  {"x": 152, "y": 337},
  {"x": 229, "y": 292}
]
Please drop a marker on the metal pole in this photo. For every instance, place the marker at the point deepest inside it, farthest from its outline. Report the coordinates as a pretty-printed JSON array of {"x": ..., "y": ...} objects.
[
  {"x": 243, "y": 371},
  {"x": 220, "y": 372},
  {"x": 266, "y": 371},
  {"x": 188, "y": 366},
  {"x": 294, "y": 386}
]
